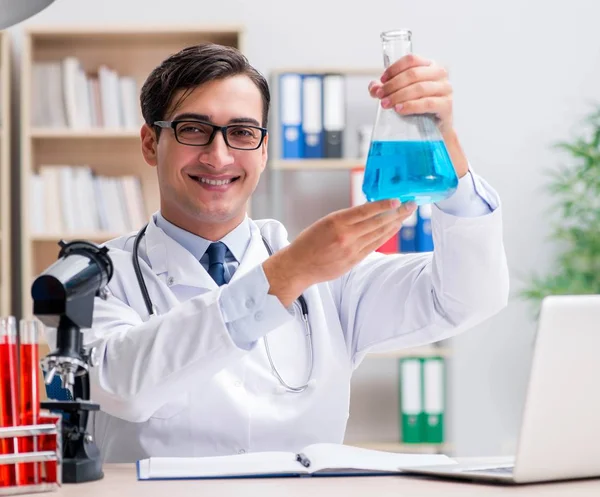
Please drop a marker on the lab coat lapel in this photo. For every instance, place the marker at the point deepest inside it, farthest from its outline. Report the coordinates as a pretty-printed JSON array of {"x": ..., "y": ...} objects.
[
  {"x": 174, "y": 262},
  {"x": 256, "y": 253}
]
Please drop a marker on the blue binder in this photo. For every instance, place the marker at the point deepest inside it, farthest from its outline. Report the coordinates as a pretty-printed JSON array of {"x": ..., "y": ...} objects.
[
  {"x": 312, "y": 116},
  {"x": 290, "y": 116}
]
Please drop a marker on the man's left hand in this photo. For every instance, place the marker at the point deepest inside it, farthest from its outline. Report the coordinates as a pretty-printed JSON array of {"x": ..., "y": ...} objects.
[{"x": 414, "y": 85}]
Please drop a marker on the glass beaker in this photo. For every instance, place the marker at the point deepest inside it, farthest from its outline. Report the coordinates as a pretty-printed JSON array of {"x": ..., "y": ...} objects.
[{"x": 408, "y": 159}]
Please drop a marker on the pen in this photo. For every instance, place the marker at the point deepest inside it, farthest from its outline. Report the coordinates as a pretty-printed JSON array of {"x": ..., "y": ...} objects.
[{"x": 302, "y": 459}]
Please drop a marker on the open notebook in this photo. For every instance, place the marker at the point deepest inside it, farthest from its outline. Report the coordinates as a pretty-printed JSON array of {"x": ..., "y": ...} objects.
[{"x": 314, "y": 460}]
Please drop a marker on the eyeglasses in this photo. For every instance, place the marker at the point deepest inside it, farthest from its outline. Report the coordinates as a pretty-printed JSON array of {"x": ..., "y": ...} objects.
[{"x": 199, "y": 133}]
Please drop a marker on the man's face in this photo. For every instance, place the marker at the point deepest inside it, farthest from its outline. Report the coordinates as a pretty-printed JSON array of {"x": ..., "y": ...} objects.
[{"x": 185, "y": 172}]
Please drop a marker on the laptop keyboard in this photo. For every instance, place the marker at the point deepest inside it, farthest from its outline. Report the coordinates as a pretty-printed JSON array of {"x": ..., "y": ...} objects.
[{"x": 504, "y": 470}]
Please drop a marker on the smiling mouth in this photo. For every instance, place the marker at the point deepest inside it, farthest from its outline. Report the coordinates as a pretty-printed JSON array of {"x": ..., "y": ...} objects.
[{"x": 213, "y": 182}]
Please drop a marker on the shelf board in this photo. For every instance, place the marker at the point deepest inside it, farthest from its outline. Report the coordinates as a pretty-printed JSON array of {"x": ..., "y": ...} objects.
[
  {"x": 316, "y": 164},
  {"x": 109, "y": 29},
  {"x": 55, "y": 237},
  {"x": 348, "y": 71},
  {"x": 68, "y": 133},
  {"x": 417, "y": 448},
  {"x": 412, "y": 352},
  {"x": 128, "y": 39}
]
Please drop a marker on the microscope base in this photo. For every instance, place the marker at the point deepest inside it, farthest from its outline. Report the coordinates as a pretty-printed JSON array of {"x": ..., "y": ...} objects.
[
  {"x": 81, "y": 459},
  {"x": 81, "y": 470}
]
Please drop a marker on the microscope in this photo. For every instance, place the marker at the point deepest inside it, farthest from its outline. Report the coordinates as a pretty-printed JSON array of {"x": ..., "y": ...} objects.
[{"x": 63, "y": 298}]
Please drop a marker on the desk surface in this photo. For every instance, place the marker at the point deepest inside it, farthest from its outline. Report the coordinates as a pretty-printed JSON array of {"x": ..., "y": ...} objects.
[{"x": 121, "y": 480}]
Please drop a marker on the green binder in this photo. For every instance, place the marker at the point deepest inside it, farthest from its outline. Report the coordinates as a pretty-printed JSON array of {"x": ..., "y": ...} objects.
[
  {"x": 411, "y": 400},
  {"x": 434, "y": 400}
]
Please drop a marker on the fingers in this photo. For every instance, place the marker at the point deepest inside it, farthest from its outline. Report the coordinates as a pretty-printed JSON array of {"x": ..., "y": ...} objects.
[
  {"x": 382, "y": 220},
  {"x": 414, "y": 85},
  {"x": 403, "y": 64},
  {"x": 417, "y": 91},
  {"x": 373, "y": 87},
  {"x": 374, "y": 229},
  {"x": 367, "y": 210},
  {"x": 411, "y": 77},
  {"x": 441, "y": 106},
  {"x": 376, "y": 239}
]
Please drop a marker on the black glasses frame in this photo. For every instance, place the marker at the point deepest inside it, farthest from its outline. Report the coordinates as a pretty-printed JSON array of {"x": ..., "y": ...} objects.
[{"x": 215, "y": 129}]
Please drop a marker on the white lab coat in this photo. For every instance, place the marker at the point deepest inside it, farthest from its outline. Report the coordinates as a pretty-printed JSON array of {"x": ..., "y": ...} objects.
[{"x": 177, "y": 385}]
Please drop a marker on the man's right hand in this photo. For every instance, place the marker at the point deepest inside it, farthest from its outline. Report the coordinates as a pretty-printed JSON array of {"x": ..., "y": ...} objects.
[{"x": 332, "y": 246}]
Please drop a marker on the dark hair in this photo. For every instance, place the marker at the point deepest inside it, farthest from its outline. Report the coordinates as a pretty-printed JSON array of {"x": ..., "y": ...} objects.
[{"x": 190, "y": 68}]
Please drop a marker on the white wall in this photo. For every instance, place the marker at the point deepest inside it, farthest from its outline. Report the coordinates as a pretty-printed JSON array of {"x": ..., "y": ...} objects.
[{"x": 523, "y": 74}]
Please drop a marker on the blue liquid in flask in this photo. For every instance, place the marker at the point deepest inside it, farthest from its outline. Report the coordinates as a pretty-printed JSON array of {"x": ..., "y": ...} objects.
[{"x": 418, "y": 171}]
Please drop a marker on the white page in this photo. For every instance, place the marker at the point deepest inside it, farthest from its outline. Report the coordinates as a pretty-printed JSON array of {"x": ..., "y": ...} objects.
[
  {"x": 333, "y": 456},
  {"x": 259, "y": 463}
]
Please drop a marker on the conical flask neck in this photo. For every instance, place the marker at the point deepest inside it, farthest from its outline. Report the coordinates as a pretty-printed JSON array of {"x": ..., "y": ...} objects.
[{"x": 395, "y": 44}]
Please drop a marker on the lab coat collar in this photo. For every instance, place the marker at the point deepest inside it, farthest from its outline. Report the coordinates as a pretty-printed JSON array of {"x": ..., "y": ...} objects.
[
  {"x": 165, "y": 255},
  {"x": 173, "y": 261},
  {"x": 237, "y": 240}
]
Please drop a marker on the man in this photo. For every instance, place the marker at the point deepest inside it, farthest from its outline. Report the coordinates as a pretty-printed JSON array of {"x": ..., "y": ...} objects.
[{"x": 226, "y": 366}]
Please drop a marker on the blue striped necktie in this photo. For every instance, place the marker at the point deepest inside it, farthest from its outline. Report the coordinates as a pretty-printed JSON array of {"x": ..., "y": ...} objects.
[{"x": 216, "y": 260}]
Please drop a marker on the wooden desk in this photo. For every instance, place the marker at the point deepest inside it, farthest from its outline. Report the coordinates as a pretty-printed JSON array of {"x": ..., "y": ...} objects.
[{"x": 121, "y": 480}]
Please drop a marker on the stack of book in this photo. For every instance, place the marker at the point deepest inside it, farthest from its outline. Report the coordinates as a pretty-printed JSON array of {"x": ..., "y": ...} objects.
[
  {"x": 72, "y": 199},
  {"x": 66, "y": 96}
]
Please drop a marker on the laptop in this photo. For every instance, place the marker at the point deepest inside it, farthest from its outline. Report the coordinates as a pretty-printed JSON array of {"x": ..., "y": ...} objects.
[{"x": 559, "y": 437}]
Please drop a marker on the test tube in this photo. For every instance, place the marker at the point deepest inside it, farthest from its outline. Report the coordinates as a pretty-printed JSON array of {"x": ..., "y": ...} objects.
[
  {"x": 29, "y": 399},
  {"x": 8, "y": 395},
  {"x": 49, "y": 469}
]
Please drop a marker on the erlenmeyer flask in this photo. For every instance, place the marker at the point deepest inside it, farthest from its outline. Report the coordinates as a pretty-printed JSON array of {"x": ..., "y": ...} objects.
[{"x": 408, "y": 159}]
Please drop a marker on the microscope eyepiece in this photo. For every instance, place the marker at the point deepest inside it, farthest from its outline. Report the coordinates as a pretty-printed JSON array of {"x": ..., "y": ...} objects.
[{"x": 68, "y": 286}]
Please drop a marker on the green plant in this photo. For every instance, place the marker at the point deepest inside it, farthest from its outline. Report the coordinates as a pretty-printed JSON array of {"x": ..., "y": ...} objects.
[{"x": 576, "y": 191}]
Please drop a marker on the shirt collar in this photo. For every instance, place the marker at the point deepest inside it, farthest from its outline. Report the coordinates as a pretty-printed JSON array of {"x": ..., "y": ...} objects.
[{"x": 237, "y": 240}]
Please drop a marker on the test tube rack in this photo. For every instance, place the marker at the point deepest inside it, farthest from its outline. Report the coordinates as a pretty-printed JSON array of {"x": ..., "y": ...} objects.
[{"x": 51, "y": 428}]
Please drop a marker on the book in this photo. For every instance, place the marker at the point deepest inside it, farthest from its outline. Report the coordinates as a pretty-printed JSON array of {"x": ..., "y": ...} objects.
[{"x": 321, "y": 459}]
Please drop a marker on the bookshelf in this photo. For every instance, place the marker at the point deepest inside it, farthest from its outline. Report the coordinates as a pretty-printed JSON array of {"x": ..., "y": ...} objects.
[
  {"x": 111, "y": 151},
  {"x": 5, "y": 187},
  {"x": 279, "y": 166}
]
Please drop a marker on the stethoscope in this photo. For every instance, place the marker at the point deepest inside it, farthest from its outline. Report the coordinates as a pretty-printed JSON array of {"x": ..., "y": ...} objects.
[{"x": 300, "y": 302}]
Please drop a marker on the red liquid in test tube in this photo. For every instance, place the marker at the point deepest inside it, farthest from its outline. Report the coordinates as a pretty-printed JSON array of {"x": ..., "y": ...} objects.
[
  {"x": 49, "y": 442},
  {"x": 8, "y": 395},
  {"x": 29, "y": 399}
]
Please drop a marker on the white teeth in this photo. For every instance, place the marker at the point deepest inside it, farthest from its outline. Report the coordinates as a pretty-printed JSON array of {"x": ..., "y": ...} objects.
[{"x": 215, "y": 182}]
